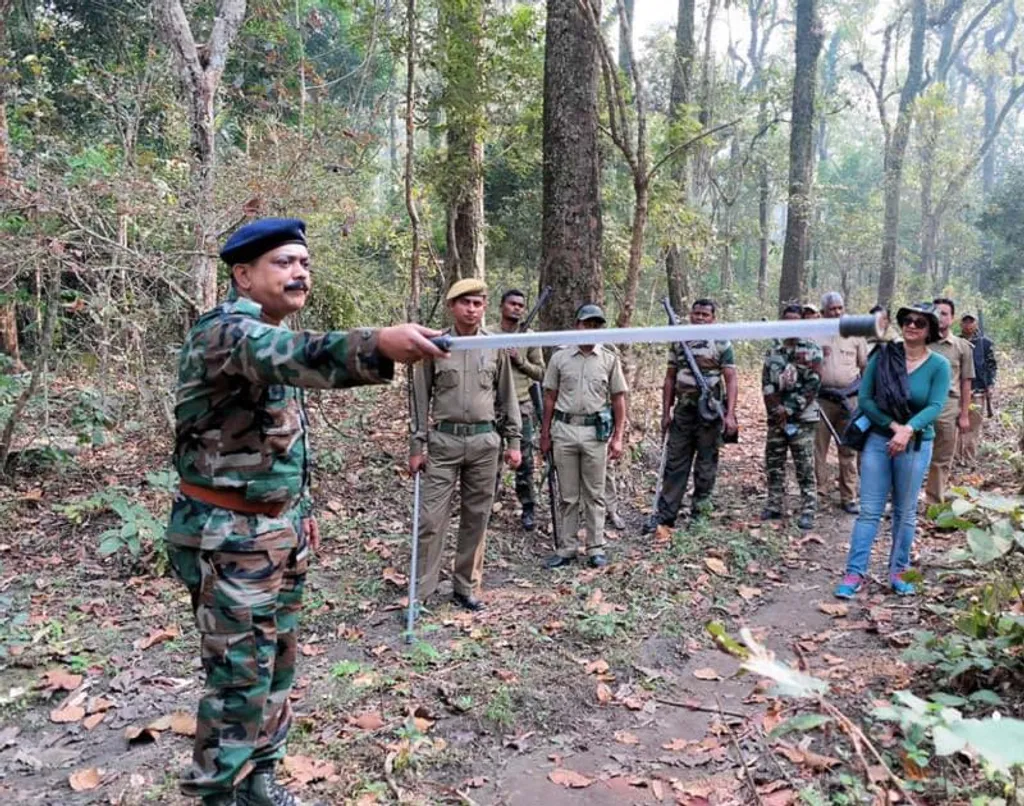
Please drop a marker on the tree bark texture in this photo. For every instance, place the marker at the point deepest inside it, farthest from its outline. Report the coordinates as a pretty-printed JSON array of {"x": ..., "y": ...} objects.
[
  {"x": 680, "y": 95},
  {"x": 200, "y": 68},
  {"x": 462, "y": 31},
  {"x": 10, "y": 344},
  {"x": 571, "y": 226},
  {"x": 809, "y": 38},
  {"x": 625, "y": 31},
  {"x": 896, "y": 150},
  {"x": 413, "y": 308},
  {"x": 764, "y": 201}
]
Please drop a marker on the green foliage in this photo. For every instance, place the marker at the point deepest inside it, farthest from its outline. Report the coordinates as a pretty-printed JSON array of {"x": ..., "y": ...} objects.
[{"x": 137, "y": 529}]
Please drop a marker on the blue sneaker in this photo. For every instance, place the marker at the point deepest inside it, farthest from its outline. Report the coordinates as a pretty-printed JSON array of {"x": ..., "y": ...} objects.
[
  {"x": 901, "y": 587},
  {"x": 849, "y": 587}
]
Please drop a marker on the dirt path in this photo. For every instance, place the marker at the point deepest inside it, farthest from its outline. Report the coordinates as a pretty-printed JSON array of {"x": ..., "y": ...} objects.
[{"x": 566, "y": 672}]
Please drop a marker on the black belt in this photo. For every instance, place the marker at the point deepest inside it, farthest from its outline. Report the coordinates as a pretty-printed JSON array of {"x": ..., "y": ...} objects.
[
  {"x": 464, "y": 429},
  {"x": 577, "y": 419}
]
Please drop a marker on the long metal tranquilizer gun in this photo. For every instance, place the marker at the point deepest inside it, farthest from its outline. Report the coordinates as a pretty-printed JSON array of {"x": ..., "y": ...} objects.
[{"x": 866, "y": 325}]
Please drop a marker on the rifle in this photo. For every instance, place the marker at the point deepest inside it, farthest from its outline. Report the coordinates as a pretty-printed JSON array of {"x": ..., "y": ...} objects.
[
  {"x": 708, "y": 406},
  {"x": 984, "y": 364},
  {"x": 538, "y": 404},
  {"x": 831, "y": 428}
]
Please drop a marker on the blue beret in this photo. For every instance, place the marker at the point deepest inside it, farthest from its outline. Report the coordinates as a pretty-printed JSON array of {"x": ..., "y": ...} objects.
[{"x": 259, "y": 237}]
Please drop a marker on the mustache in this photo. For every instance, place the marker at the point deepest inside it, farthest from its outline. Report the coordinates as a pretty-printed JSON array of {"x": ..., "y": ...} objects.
[{"x": 298, "y": 285}]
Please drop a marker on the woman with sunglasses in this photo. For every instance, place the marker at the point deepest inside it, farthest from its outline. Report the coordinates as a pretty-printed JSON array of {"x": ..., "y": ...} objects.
[{"x": 903, "y": 390}]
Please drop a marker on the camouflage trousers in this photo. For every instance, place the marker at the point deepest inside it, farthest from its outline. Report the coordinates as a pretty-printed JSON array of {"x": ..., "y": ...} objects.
[
  {"x": 692, "y": 442},
  {"x": 801, "y": 445},
  {"x": 245, "y": 575}
]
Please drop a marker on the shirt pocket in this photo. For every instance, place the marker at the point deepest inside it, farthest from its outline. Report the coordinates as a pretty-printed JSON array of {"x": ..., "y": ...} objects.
[
  {"x": 598, "y": 387},
  {"x": 446, "y": 379}
]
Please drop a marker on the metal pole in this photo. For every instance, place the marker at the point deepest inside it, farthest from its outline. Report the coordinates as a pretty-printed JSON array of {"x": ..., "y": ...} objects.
[{"x": 410, "y": 618}]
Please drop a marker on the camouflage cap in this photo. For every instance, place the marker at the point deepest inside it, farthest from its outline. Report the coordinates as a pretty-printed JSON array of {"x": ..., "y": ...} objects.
[
  {"x": 970, "y": 316},
  {"x": 258, "y": 237},
  {"x": 590, "y": 311},
  {"x": 466, "y": 287},
  {"x": 810, "y": 307}
]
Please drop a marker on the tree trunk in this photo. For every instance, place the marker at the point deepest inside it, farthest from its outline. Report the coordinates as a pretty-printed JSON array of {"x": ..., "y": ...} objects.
[
  {"x": 676, "y": 259},
  {"x": 413, "y": 313},
  {"x": 763, "y": 210},
  {"x": 461, "y": 24},
  {"x": 928, "y": 133},
  {"x": 9, "y": 342},
  {"x": 571, "y": 227},
  {"x": 625, "y": 48},
  {"x": 809, "y": 38},
  {"x": 200, "y": 68},
  {"x": 636, "y": 252},
  {"x": 897, "y": 147}
]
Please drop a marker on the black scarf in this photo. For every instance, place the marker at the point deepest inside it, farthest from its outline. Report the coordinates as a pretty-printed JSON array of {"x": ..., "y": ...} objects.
[{"x": 892, "y": 383}]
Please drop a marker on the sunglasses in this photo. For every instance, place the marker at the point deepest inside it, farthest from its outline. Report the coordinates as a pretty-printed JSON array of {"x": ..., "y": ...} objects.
[{"x": 916, "y": 322}]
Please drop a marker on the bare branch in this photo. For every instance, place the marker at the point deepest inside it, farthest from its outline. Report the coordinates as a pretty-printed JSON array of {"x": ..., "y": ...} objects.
[{"x": 683, "y": 146}]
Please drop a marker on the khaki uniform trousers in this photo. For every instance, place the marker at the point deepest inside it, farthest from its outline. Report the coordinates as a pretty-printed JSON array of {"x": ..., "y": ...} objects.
[
  {"x": 967, "y": 447},
  {"x": 470, "y": 462},
  {"x": 943, "y": 452},
  {"x": 582, "y": 464},
  {"x": 849, "y": 479}
]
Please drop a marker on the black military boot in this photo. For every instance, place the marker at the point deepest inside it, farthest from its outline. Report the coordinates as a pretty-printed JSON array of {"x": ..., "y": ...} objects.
[
  {"x": 260, "y": 789},
  {"x": 529, "y": 524}
]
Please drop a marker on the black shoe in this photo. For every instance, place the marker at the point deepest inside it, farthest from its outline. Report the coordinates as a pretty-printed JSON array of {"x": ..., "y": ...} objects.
[
  {"x": 652, "y": 523},
  {"x": 806, "y": 522},
  {"x": 260, "y": 789},
  {"x": 529, "y": 524},
  {"x": 468, "y": 602},
  {"x": 227, "y": 799},
  {"x": 770, "y": 515},
  {"x": 598, "y": 561},
  {"x": 558, "y": 561},
  {"x": 850, "y": 508}
]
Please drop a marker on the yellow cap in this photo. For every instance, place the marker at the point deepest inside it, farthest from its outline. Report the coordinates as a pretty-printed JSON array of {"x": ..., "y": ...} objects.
[{"x": 469, "y": 285}]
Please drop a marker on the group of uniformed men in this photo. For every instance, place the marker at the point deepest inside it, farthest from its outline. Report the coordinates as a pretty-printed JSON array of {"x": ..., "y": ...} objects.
[{"x": 241, "y": 527}]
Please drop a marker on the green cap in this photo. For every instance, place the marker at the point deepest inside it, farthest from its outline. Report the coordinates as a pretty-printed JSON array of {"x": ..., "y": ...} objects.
[{"x": 590, "y": 311}]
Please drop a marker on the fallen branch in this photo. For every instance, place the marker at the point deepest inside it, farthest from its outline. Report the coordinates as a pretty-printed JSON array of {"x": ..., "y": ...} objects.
[{"x": 696, "y": 706}]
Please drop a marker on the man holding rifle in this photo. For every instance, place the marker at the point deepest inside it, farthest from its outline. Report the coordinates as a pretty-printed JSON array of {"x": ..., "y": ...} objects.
[
  {"x": 527, "y": 370},
  {"x": 699, "y": 424},
  {"x": 981, "y": 389}
]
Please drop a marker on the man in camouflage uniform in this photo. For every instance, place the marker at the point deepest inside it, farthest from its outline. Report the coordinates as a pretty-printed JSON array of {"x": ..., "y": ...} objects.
[
  {"x": 790, "y": 380},
  {"x": 527, "y": 369},
  {"x": 473, "y": 396},
  {"x": 694, "y": 441},
  {"x": 241, "y": 526}
]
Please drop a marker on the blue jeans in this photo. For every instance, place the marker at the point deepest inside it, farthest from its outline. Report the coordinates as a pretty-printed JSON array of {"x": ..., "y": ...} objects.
[{"x": 879, "y": 475}]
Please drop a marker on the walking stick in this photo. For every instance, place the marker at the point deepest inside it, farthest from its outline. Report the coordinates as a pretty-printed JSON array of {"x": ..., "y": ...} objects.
[
  {"x": 410, "y": 618},
  {"x": 661, "y": 473}
]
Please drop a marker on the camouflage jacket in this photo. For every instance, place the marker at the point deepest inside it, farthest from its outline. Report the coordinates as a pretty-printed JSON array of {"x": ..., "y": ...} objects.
[
  {"x": 791, "y": 378},
  {"x": 240, "y": 415}
]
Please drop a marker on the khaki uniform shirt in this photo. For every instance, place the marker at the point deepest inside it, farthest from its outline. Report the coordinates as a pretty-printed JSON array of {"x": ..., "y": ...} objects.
[
  {"x": 960, "y": 355},
  {"x": 470, "y": 386},
  {"x": 584, "y": 381},
  {"x": 845, "y": 357},
  {"x": 711, "y": 357}
]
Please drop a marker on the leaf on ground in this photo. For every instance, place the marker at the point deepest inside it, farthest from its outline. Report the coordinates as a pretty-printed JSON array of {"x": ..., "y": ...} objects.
[
  {"x": 808, "y": 758},
  {"x": 716, "y": 566},
  {"x": 305, "y": 770},
  {"x": 98, "y": 705},
  {"x": 676, "y": 745},
  {"x": 833, "y": 609},
  {"x": 603, "y": 693},
  {"x": 569, "y": 779},
  {"x": 84, "y": 780},
  {"x": 597, "y": 604},
  {"x": 59, "y": 680},
  {"x": 183, "y": 724},
  {"x": 802, "y": 723},
  {"x": 706, "y": 673},
  {"x": 311, "y": 650},
  {"x": 747, "y": 593},
  {"x": 93, "y": 720},
  {"x": 625, "y": 737},
  {"x": 662, "y": 534},
  {"x": 67, "y": 713},
  {"x": 371, "y": 720},
  {"x": 599, "y": 666},
  {"x": 725, "y": 641},
  {"x": 506, "y": 675},
  {"x": 157, "y": 636},
  {"x": 395, "y": 577}
]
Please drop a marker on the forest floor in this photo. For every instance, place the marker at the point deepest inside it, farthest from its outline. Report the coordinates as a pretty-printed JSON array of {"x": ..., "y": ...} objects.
[{"x": 575, "y": 686}]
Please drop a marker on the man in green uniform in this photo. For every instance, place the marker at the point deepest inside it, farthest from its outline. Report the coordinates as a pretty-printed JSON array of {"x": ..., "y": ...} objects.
[
  {"x": 578, "y": 385},
  {"x": 527, "y": 369},
  {"x": 472, "y": 394},
  {"x": 694, "y": 441},
  {"x": 241, "y": 526},
  {"x": 790, "y": 380},
  {"x": 955, "y": 418}
]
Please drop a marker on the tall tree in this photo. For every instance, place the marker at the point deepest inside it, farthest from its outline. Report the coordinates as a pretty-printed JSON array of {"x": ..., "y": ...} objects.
[
  {"x": 571, "y": 225},
  {"x": 200, "y": 67},
  {"x": 896, "y": 137},
  {"x": 462, "y": 98},
  {"x": 626, "y": 37},
  {"x": 680, "y": 95},
  {"x": 809, "y": 38},
  {"x": 9, "y": 342}
]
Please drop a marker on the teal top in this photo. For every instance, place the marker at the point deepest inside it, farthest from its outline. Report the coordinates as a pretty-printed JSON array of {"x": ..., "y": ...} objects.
[{"x": 929, "y": 389}]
